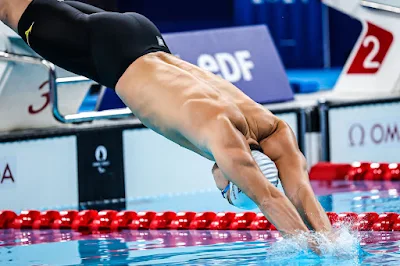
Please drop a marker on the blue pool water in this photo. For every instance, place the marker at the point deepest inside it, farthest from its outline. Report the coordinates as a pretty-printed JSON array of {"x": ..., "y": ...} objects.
[{"x": 169, "y": 247}]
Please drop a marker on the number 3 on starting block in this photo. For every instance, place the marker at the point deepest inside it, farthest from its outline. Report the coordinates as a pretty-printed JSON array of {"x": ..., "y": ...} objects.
[{"x": 372, "y": 51}]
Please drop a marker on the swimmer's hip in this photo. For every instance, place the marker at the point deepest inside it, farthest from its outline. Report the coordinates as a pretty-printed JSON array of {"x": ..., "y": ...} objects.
[{"x": 98, "y": 45}]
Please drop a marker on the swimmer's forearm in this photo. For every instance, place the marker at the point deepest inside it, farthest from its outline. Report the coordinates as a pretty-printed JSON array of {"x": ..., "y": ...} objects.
[
  {"x": 310, "y": 209},
  {"x": 281, "y": 146},
  {"x": 281, "y": 213},
  {"x": 240, "y": 169},
  {"x": 295, "y": 181},
  {"x": 232, "y": 155}
]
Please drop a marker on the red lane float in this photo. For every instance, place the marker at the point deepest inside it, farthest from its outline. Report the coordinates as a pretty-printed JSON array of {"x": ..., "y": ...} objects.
[
  {"x": 103, "y": 220},
  {"x": 25, "y": 220},
  {"x": 356, "y": 171},
  {"x": 83, "y": 220},
  {"x": 90, "y": 221},
  {"x": 365, "y": 221},
  {"x": 392, "y": 173},
  {"x": 347, "y": 217},
  {"x": 142, "y": 220},
  {"x": 260, "y": 222},
  {"x": 327, "y": 171},
  {"x": 6, "y": 219},
  {"x": 385, "y": 221},
  {"x": 202, "y": 220},
  {"x": 122, "y": 220},
  {"x": 396, "y": 225},
  {"x": 242, "y": 221},
  {"x": 222, "y": 221},
  {"x": 46, "y": 219},
  {"x": 162, "y": 220},
  {"x": 182, "y": 220},
  {"x": 333, "y": 217},
  {"x": 65, "y": 221}
]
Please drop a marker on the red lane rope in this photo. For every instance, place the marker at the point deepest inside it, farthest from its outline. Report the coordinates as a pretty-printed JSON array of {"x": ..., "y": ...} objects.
[
  {"x": 356, "y": 171},
  {"x": 109, "y": 220}
]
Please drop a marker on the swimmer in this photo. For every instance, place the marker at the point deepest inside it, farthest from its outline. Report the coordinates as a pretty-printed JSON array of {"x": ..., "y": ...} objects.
[{"x": 188, "y": 105}]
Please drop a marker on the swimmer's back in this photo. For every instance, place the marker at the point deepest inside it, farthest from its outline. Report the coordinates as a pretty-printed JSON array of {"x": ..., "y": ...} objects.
[
  {"x": 258, "y": 120},
  {"x": 201, "y": 96}
]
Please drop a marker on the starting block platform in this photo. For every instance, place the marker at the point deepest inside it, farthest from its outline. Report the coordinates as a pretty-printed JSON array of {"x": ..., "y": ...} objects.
[
  {"x": 370, "y": 69},
  {"x": 26, "y": 81}
]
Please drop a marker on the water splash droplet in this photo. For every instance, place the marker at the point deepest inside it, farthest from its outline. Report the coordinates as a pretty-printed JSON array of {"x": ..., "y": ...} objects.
[{"x": 345, "y": 248}]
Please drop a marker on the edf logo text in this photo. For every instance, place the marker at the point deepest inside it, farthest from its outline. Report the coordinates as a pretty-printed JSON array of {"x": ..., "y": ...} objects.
[{"x": 232, "y": 67}]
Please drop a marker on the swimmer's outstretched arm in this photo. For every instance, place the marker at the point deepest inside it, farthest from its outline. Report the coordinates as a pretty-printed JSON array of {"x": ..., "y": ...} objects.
[
  {"x": 281, "y": 146},
  {"x": 233, "y": 157}
]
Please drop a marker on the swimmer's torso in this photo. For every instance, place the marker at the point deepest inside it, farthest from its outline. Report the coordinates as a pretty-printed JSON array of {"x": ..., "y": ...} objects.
[{"x": 178, "y": 100}]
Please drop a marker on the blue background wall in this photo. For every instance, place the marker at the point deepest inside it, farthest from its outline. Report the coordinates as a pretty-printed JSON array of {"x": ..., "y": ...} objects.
[{"x": 297, "y": 26}]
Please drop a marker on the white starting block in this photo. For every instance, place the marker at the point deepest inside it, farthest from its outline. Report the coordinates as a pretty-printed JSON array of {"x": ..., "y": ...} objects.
[
  {"x": 372, "y": 68},
  {"x": 25, "y": 81},
  {"x": 361, "y": 123}
]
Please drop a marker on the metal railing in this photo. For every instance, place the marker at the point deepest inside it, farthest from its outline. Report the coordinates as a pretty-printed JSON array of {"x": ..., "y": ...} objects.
[
  {"x": 53, "y": 85},
  {"x": 85, "y": 116},
  {"x": 385, "y": 6}
]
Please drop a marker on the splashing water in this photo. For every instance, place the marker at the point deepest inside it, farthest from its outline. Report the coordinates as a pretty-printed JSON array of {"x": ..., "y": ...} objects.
[{"x": 344, "y": 250}]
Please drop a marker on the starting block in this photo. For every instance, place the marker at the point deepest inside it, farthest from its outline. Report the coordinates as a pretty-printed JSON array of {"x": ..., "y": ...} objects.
[
  {"x": 26, "y": 83},
  {"x": 371, "y": 69},
  {"x": 360, "y": 120}
]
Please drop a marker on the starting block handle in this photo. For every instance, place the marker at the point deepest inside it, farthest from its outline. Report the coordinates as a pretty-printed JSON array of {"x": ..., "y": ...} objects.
[
  {"x": 53, "y": 84},
  {"x": 84, "y": 116},
  {"x": 395, "y": 8}
]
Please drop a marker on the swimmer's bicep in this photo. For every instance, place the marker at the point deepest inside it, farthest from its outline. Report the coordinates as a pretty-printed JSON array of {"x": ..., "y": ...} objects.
[
  {"x": 280, "y": 142},
  {"x": 281, "y": 146},
  {"x": 233, "y": 157}
]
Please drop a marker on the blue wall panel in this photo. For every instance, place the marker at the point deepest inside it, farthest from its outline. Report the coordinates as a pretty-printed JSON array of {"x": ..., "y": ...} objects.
[
  {"x": 295, "y": 25},
  {"x": 344, "y": 32}
]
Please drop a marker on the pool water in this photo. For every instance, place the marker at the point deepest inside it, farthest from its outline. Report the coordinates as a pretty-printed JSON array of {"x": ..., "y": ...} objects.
[{"x": 202, "y": 247}]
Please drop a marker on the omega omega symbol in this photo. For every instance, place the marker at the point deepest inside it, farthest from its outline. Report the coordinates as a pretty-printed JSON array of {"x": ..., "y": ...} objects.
[{"x": 376, "y": 134}]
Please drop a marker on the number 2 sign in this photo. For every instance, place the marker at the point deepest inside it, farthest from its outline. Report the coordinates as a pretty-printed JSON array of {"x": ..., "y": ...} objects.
[{"x": 372, "y": 52}]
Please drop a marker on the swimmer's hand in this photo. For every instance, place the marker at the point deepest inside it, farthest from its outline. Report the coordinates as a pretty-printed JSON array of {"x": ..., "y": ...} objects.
[{"x": 315, "y": 239}]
